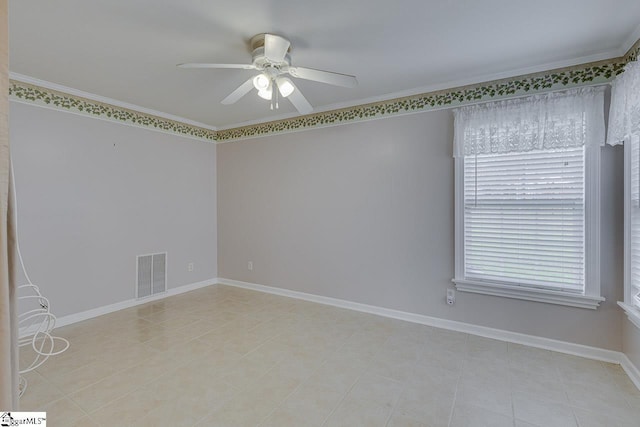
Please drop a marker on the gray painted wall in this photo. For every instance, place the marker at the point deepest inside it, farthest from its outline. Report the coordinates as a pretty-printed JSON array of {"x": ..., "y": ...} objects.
[
  {"x": 364, "y": 212},
  {"x": 94, "y": 194},
  {"x": 631, "y": 342}
]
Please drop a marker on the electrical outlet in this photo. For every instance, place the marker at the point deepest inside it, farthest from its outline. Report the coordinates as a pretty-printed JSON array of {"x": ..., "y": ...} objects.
[
  {"x": 451, "y": 296},
  {"x": 250, "y": 266},
  {"x": 190, "y": 266}
]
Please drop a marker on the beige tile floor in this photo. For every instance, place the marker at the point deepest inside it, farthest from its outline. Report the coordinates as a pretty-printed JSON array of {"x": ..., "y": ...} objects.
[{"x": 222, "y": 356}]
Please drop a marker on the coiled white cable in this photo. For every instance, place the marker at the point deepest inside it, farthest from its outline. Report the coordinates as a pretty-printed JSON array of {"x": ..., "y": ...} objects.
[{"x": 37, "y": 322}]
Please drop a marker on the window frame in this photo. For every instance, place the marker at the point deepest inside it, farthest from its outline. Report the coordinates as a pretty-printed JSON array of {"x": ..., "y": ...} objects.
[
  {"x": 631, "y": 310},
  {"x": 590, "y": 298}
]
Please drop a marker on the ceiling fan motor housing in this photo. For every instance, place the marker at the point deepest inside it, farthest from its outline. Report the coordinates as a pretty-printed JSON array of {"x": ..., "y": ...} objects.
[{"x": 260, "y": 60}]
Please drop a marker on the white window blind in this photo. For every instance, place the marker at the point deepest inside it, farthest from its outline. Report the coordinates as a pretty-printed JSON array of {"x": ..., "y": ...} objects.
[{"x": 524, "y": 218}]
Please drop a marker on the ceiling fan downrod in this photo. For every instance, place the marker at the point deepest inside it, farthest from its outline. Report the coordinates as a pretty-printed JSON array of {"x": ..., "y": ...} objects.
[{"x": 276, "y": 94}]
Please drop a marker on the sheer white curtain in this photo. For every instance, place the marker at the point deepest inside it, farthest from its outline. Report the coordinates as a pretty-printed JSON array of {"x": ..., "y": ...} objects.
[
  {"x": 568, "y": 119},
  {"x": 624, "y": 114}
]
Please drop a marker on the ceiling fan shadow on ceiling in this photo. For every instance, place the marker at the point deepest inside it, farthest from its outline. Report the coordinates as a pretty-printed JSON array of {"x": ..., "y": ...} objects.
[{"x": 271, "y": 57}]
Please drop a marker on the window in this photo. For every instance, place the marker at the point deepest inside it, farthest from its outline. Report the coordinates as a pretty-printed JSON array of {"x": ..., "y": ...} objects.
[
  {"x": 632, "y": 194},
  {"x": 624, "y": 127},
  {"x": 527, "y": 197}
]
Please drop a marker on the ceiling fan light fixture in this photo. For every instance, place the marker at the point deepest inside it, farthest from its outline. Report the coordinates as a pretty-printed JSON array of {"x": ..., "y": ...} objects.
[
  {"x": 265, "y": 94},
  {"x": 285, "y": 86},
  {"x": 261, "y": 82}
]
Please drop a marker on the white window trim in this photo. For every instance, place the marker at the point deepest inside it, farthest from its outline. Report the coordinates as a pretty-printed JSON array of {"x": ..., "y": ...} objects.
[
  {"x": 630, "y": 310},
  {"x": 591, "y": 298},
  {"x": 632, "y": 313}
]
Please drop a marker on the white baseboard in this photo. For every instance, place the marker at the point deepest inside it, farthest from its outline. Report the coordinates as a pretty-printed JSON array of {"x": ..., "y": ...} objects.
[
  {"x": 483, "y": 331},
  {"x": 539, "y": 342},
  {"x": 632, "y": 370},
  {"x": 95, "y": 312}
]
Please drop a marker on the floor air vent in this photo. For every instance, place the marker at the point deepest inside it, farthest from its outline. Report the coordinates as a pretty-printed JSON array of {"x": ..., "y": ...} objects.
[{"x": 152, "y": 274}]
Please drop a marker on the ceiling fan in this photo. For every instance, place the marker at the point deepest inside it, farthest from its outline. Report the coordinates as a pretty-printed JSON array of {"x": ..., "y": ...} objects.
[{"x": 271, "y": 57}]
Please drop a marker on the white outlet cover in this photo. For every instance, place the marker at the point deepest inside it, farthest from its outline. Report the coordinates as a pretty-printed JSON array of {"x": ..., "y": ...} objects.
[{"x": 451, "y": 296}]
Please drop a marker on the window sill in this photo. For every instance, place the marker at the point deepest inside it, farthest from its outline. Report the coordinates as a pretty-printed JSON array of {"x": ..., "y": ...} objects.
[
  {"x": 632, "y": 313},
  {"x": 529, "y": 294}
]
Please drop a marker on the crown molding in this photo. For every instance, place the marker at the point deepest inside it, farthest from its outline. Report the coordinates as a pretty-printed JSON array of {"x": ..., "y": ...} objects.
[
  {"x": 46, "y": 94},
  {"x": 631, "y": 43},
  {"x": 104, "y": 100},
  {"x": 585, "y": 74},
  {"x": 590, "y": 73},
  {"x": 633, "y": 52},
  {"x": 478, "y": 80}
]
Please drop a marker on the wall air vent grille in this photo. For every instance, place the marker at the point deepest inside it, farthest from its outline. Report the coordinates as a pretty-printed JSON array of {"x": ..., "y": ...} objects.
[{"x": 151, "y": 274}]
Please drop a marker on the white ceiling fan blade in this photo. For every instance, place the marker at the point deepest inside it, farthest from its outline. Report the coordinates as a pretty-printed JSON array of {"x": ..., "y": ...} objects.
[
  {"x": 197, "y": 65},
  {"x": 299, "y": 101},
  {"x": 234, "y": 96},
  {"x": 275, "y": 47},
  {"x": 328, "y": 77}
]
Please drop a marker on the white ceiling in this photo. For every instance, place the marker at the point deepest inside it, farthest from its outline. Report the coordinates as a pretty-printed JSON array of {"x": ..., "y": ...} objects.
[{"x": 127, "y": 49}]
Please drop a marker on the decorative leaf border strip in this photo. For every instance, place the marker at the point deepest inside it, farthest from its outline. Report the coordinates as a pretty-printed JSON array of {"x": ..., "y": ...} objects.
[
  {"x": 633, "y": 53},
  {"x": 590, "y": 73},
  {"x": 47, "y": 97}
]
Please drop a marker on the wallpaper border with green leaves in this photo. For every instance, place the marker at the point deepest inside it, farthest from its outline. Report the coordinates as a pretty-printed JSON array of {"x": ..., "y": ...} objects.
[
  {"x": 50, "y": 98},
  {"x": 584, "y": 74}
]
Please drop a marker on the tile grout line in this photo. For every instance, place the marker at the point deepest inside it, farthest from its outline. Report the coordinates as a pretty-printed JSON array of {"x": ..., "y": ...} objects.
[
  {"x": 199, "y": 420},
  {"x": 565, "y": 368},
  {"x": 346, "y": 392},
  {"x": 286, "y": 397},
  {"x": 455, "y": 393},
  {"x": 266, "y": 373},
  {"x": 68, "y": 395},
  {"x": 141, "y": 386},
  {"x": 511, "y": 383},
  {"x": 404, "y": 388}
]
